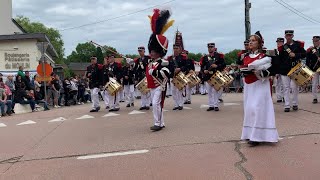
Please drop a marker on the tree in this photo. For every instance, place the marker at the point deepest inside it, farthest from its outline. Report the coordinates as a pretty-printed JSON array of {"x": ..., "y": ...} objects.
[
  {"x": 82, "y": 53},
  {"x": 231, "y": 57},
  {"x": 108, "y": 50},
  {"x": 68, "y": 73},
  {"x": 99, "y": 55},
  {"x": 194, "y": 56},
  {"x": 53, "y": 34}
]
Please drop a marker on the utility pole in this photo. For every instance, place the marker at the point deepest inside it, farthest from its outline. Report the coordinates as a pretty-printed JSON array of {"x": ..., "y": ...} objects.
[{"x": 247, "y": 18}]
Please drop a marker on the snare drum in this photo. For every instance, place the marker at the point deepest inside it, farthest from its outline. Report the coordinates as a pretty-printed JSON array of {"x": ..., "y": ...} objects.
[
  {"x": 302, "y": 75},
  {"x": 180, "y": 81},
  {"x": 112, "y": 87},
  {"x": 142, "y": 86},
  {"x": 229, "y": 78},
  {"x": 218, "y": 80},
  {"x": 193, "y": 79}
]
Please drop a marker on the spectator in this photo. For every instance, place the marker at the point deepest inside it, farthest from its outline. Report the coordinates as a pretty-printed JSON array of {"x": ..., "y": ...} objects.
[
  {"x": 11, "y": 85},
  {"x": 19, "y": 84},
  {"x": 53, "y": 90},
  {"x": 39, "y": 99},
  {"x": 21, "y": 73},
  {"x": 81, "y": 90},
  {"x": 3, "y": 101},
  {"x": 35, "y": 82},
  {"x": 23, "y": 98},
  {"x": 27, "y": 81},
  {"x": 66, "y": 88}
]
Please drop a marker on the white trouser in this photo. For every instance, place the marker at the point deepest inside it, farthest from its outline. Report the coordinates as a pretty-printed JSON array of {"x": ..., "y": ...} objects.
[
  {"x": 220, "y": 92},
  {"x": 203, "y": 89},
  {"x": 169, "y": 92},
  {"x": 188, "y": 93},
  {"x": 177, "y": 96},
  {"x": 145, "y": 100},
  {"x": 137, "y": 93},
  {"x": 156, "y": 93},
  {"x": 213, "y": 96},
  {"x": 287, "y": 84},
  {"x": 121, "y": 95},
  {"x": 129, "y": 90},
  {"x": 95, "y": 98},
  {"x": 279, "y": 87},
  {"x": 106, "y": 98},
  {"x": 194, "y": 90},
  {"x": 114, "y": 101},
  {"x": 315, "y": 84}
]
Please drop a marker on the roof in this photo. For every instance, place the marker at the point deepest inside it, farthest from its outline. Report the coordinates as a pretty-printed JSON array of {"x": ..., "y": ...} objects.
[
  {"x": 18, "y": 25},
  {"x": 79, "y": 66},
  {"x": 41, "y": 37}
]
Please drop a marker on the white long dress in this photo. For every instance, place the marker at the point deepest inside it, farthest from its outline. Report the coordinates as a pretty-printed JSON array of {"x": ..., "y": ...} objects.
[{"x": 259, "y": 117}]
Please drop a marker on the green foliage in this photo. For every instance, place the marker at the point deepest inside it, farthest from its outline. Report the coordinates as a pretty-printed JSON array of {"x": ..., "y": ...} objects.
[
  {"x": 53, "y": 34},
  {"x": 82, "y": 53},
  {"x": 68, "y": 73},
  {"x": 99, "y": 55},
  {"x": 231, "y": 57},
  {"x": 195, "y": 57},
  {"x": 132, "y": 56}
]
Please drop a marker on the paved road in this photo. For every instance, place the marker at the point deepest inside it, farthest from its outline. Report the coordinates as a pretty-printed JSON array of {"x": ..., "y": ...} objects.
[{"x": 71, "y": 143}]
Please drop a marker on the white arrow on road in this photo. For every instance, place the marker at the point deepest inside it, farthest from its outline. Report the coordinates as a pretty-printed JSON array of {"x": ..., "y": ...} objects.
[
  {"x": 59, "y": 119},
  {"x": 26, "y": 123},
  {"x": 204, "y": 106},
  {"x": 136, "y": 112},
  {"x": 2, "y": 125},
  {"x": 231, "y": 104},
  {"x": 111, "y": 114},
  {"x": 185, "y": 107},
  {"x": 85, "y": 117}
]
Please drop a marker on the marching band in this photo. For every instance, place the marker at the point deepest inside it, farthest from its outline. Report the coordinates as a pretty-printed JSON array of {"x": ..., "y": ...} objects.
[{"x": 152, "y": 76}]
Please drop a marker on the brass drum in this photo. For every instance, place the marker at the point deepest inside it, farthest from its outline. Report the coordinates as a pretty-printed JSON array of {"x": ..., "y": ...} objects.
[
  {"x": 112, "y": 87},
  {"x": 193, "y": 79},
  {"x": 302, "y": 75},
  {"x": 142, "y": 86},
  {"x": 318, "y": 70},
  {"x": 180, "y": 81},
  {"x": 218, "y": 80},
  {"x": 229, "y": 78}
]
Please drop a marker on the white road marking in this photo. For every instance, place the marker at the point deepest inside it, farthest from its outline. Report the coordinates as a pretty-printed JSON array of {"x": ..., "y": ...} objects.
[
  {"x": 185, "y": 107},
  {"x": 59, "y": 119},
  {"x": 2, "y": 125},
  {"x": 111, "y": 114},
  {"x": 204, "y": 106},
  {"x": 280, "y": 138},
  {"x": 26, "y": 123},
  {"x": 290, "y": 137},
  {"x": 136, "y": 112},
  {"x": 95, "y": 156},
  {"x": 85, "y": 117},
  {"x": 231, "y": 104}
]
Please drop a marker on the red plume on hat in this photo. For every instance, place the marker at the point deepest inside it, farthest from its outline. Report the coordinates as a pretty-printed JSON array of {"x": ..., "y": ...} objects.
[{"x": 159, "y": 25}]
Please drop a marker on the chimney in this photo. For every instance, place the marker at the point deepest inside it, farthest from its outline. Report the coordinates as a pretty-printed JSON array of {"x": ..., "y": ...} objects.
[{"x": 6, "y": 17}]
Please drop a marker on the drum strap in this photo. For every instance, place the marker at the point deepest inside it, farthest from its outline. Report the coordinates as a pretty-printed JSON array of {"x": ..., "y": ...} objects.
[{"x": 315, "y": 52}]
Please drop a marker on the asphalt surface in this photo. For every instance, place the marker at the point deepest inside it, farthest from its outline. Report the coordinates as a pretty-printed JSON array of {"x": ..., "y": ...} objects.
[{"x": 195, "y": 144}]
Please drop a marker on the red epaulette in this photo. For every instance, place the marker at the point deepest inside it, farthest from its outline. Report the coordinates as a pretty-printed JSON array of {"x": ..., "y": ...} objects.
[
  {"x": 135, "y": 60},
  {"x": 201, "y": 60},
  {"x": 169, "y": 58},
  {"x": 301, "y": 43},
  {"x": 309, "y": 49},
  {"x": 280, "y": 48},
  {"x": 239, "y": 53},
  {"x": 184, "y": 56},
  {"x": 119, "y": 65},
  {"x": 100, "y": 66},
  {"x": 221, "y": 55}
]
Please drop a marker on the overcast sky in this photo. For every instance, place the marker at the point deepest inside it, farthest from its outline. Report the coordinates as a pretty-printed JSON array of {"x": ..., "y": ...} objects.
[{"x": 200, "y": 21}]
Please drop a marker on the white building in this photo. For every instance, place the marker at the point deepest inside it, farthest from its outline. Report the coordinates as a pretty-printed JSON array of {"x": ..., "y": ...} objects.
[{"x": 19, "y": 48}]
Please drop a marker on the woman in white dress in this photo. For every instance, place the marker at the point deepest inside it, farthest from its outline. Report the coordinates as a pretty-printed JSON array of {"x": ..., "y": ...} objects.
[{"x": 259, "y": 117}]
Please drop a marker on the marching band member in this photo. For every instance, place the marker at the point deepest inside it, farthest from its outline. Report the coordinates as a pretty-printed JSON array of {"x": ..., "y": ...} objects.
[
  {"x": 210, "y": 64},
  {"x": 128, "y": 81},
  {"x": 93, "y": 73},
  {"x": 278, "y": 82},
  {"x": 177, "y": 64},
  {"x": 313, "y": 62},
  {"x": 115, "y": 72},
  {"x": 190, "y": 68},
  {"x": 259, "y": 118},
  {"x": 157, "y": 74},
  {"x": 105, "y": 80},
  {"x": 290, "y": 55},
  {"x": 140, "y": 73},
  {"x": 242, "y": 53}
]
